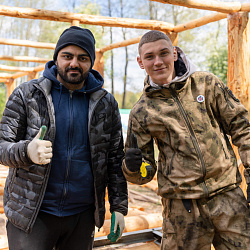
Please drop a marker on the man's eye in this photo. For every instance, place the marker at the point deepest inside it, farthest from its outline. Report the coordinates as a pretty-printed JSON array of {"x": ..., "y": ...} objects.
[
  {"x": 83, "y": 59},
  {"x": 164, "y": 53},
  {"x": 67, "y": 56}
]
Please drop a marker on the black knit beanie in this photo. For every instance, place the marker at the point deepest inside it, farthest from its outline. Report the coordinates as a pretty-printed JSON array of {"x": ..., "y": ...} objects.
[{"x": 79, "y": 37}]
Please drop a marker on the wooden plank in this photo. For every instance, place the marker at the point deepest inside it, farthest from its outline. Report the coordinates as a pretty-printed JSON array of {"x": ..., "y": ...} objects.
[
  {"x": 26, "y": 43},
  {"x": 200, "y": 22},
  {"x": 24, "y": 59},
  {"x": 225, "y": 7},
  {"x": 84, "y": 18}
]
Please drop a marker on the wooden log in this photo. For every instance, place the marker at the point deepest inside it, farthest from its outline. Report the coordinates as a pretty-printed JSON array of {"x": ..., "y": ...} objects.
[
  {"x": 225, "y": 7},
  {"x": 153, "y": 185},
  {"x": 99, "y": 63},
  {"x": 120, "y": 44},
  {"x": 1, "y": 190},
  {"x": 10, "y": 86},
  {"x": 134, "y": 223},
  {"x": 26, "y": 43},
  {"x": 32, "y": 75},
  {"x": 24, "y": 59},
  {"x": 245, "y": 7},
  {"x": 84, "y": 18},
  {"x": 75, "y": 23},
  {"x": 17, "y": 69},
  {"x": 142, "y": 246},
  {"x": 200, "y": 22},
  {"x": 238, "y": 77}
]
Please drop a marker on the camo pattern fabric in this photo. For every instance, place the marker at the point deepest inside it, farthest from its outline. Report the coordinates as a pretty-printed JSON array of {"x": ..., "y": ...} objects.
[
  {"x": 28, "y": 108},
  {"x": 223, "y": 220},
  {"x": 192, "y": 124}
]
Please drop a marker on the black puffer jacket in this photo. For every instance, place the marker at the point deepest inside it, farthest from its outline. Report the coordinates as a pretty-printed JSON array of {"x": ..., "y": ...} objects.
[{"x": 28, "y": 108}]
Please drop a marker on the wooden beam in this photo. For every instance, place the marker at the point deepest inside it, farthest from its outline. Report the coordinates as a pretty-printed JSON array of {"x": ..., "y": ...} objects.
[
  {"x": 238, "y": 76},
  {"x": 238, "y": 56},
  {"x": 84, "y": 18},
  {"x": 120, "y": 44},
  {"x": 17, "y": 69},
  {"x": 225, "y": 7},
  {"x": 200, "y": 22},
  {"x": 99, "y": 63},
  {"x": 23, "y": 59},
  {"x": 21, "y": 74},
  {"x": 245, "y": 7},
  {"x": 10, "y": 86},
  {"x": 26, "y": 43}
]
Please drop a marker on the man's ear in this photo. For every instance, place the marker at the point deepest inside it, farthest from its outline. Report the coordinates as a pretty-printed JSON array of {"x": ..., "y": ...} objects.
[
  {"x": 175, "y": 54},
  {"x": 140, "y": 62}
]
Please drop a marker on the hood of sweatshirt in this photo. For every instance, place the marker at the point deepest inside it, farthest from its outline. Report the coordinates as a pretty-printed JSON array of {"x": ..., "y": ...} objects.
[
  {"x": 93, "y": 82},
  {"x": 183, "y": 69}
]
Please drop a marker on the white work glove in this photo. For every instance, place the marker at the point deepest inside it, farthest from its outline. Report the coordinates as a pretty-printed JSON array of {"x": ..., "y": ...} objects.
[
  {"x": 117, "y": 226},
  {"x": 40, "y": 151}
]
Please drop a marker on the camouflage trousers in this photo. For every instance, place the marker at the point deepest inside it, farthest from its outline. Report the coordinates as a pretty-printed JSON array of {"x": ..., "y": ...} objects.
[{"x": 223, "y": 220}]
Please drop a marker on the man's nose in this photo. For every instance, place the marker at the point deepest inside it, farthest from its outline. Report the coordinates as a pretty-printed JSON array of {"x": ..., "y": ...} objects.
[
  {"x": 158, "y": 60},
  {"x": 74, "y": 62}
]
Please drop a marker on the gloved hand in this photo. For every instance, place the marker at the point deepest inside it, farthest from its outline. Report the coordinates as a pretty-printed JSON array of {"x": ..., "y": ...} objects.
[
  {"x": 40, "y": 151},
  {"x": 117, "y": 226},
  {"x": 248, "y": 193},
  {"x": 133, "y": 156}
]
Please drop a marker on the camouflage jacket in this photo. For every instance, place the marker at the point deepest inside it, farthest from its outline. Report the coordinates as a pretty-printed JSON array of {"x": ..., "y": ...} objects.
[
  {"x": 28, "y": 108},
  {"x": 191, "y": 122}
]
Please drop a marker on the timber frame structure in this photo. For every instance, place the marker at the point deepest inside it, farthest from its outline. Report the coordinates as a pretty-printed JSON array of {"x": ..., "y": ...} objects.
[{"x": 238, "y": 26}]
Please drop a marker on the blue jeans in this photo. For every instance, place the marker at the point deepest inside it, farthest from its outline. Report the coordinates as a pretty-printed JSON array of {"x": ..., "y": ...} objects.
[{"x": 74, "y": 232}]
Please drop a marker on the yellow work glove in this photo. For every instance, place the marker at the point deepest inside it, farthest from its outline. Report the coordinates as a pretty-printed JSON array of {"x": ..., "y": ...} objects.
[
  {"x": 40, "y": 151},
  {"x": 117, "y": 226}
]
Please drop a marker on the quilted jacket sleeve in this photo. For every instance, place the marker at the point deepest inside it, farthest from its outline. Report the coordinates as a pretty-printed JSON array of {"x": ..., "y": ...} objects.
[
  {"x": 13, "y": 146},
  {"x": 117, "y": 185}
]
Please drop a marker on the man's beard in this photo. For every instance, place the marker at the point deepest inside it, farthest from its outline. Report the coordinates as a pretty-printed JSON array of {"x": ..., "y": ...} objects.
[{"x": 72, "y": 78}]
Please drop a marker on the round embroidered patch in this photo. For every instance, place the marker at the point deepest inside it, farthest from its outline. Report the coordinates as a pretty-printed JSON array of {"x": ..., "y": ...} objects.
[{"x": 200, "y": 98}]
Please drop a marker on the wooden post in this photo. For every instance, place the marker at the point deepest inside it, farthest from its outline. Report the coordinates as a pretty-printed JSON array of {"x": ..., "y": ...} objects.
[
  {"x": 238, "y": 56},
  {"x": 75, "y": 23},
  {"x": 32, "y": 75},
  {"x": 99, "y": 63},
  {"x": 10, "y": 86},
  {"x": 238, "y": 76},
  {"x": 173, "y": 37}
]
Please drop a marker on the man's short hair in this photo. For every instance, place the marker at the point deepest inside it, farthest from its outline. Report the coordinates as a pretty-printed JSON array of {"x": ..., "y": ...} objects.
[{"x": 152, "y": 36}]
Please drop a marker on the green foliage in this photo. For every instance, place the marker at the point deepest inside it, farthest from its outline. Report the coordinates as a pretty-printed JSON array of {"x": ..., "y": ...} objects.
[
  {"x": 131, "y": 98},
  {"x": 217, "y": 63}
]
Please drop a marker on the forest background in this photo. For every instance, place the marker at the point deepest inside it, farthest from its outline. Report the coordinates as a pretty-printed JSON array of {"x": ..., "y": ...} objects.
[{"x": 206, "y": 46}]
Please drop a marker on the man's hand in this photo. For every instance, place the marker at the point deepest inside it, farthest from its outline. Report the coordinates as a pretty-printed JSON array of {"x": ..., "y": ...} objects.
[
  {"x": 248, "y": 193},
  {"x": 133, "y": 156},
  {"x": 117, "y": 226},
  {"x": 39, "y": 150}
]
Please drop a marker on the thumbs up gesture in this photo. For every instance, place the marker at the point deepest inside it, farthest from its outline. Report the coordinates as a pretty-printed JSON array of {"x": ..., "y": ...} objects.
[
  {"x": 39, "y": 150},
  {"x": 133, "y": 156}
]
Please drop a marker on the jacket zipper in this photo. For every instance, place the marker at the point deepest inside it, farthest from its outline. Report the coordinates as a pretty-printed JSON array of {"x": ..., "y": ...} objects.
[
  {"x": 69, "y": 152},
  {"x": 194, "y": 140}
]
